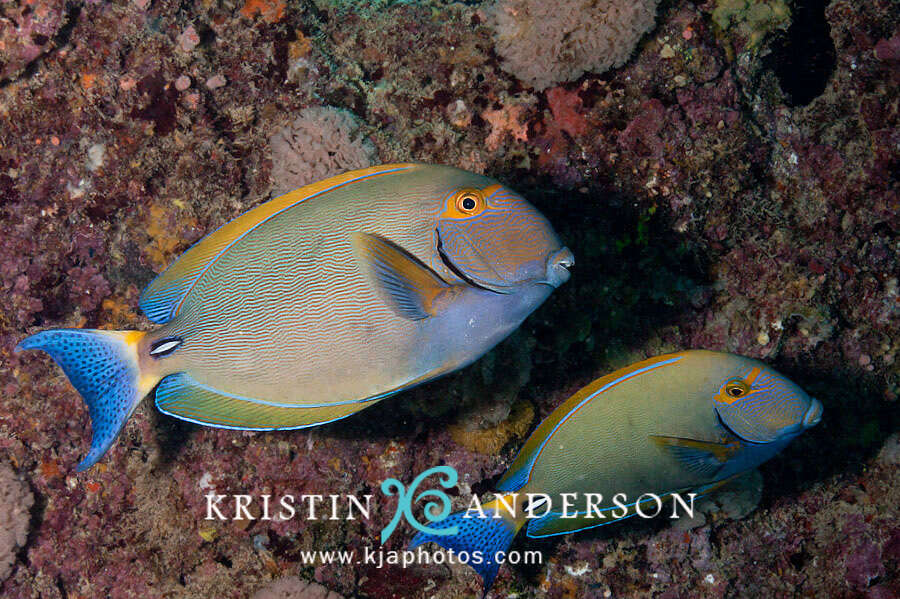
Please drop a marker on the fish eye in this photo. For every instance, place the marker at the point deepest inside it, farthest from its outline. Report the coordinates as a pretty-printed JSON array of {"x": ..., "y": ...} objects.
[
  {"x": 468, "y": 202},
  {"x": 736, "y": 388}
]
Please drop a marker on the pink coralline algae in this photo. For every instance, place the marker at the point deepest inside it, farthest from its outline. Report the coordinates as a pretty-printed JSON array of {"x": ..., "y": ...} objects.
[
  {"x": 26, "y": 32},
  {"x": 87, "y": 288},
  {"x": 641, "y": 136},
  {"x": 567, "y": 110},
  {"x": 710, "y": 105},
  {"x": 864, "y": 564},
  {"x": 188, "y": 39},
  {"x": 888, "y": 49},
  {"x": 292, "y": 587}
]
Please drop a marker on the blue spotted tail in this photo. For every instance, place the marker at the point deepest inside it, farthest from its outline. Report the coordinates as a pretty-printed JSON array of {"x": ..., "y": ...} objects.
[
  {"x": 103, "y": 367},
  {"x": 481, "y": 538}
]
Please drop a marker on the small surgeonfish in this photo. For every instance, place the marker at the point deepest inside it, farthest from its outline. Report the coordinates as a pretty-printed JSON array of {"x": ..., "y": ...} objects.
[
  {"x": 679, "y": 423},
  {"x": 321, "y": 302}
]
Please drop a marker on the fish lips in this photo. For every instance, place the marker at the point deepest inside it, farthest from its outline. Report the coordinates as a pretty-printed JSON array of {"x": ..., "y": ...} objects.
[
  {"x": 558, "y": 265},
  {"x": 814, "y": 414}
]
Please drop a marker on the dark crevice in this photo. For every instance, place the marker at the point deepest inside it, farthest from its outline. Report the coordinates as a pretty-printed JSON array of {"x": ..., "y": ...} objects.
[
  {"x": 804, "y": 57},
  {"x": 61, "y": 588}
]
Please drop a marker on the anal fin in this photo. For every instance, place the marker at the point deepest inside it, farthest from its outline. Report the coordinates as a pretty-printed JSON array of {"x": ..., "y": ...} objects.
[{"x": 181, "y": 396}]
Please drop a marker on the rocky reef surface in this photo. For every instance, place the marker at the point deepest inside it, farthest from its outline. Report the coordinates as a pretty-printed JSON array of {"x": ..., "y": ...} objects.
[{"x": 733, "y": 186}]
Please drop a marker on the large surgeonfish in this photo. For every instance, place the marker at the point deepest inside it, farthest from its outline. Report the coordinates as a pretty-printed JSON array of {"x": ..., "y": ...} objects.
[
  {"x": 321, "y": 302},
  {"x": 678, "y": 423}
]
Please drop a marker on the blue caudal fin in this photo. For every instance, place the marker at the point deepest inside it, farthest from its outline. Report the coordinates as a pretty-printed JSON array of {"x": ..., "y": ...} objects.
[
  {"x": 480, "y": 538},
  {"x": 103, "y": 367}
]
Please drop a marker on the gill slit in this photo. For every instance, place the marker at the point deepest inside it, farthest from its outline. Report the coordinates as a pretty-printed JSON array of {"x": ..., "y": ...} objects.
[{"x": 452, "y": 267}]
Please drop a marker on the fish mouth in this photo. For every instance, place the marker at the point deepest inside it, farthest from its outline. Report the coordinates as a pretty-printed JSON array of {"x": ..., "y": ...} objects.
[
  {"x": 814, "y": 414},
  {"x": 558, "y": 265}
]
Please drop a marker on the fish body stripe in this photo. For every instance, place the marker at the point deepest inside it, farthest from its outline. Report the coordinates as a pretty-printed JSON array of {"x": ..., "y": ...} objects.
[
  {"x": 628, "y": 376},
  {"x": 159, "y": 299},
  {"x": 304, "y": 300},
  {"x": 273, "y": 215},
  {"x": 287, "y": 315},
  {"x": 251, "y": 428},
  {"x": 275, "y": 404},
  {"x": 179, "y": 395}
]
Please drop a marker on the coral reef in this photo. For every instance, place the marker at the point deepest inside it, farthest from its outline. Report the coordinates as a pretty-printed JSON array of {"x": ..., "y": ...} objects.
[
  {"x": 293, "y": 587},
  {"x": 708, "y": 203},
  {"x": 320, "y": 142},
  {"x": 490, "y": 440},
  {"x": 15, "y": 515},
  {"x": 27, "y": 33},
  {"x": 734, "y": 501},
  {"x": 543, "y": 43}
]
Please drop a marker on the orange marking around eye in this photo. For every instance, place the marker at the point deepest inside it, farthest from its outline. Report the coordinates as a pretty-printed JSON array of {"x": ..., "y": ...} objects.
[
  {"x": 723, "y": 397},
  {"x": 490, "y": 189},
  {"x": 752, "y": 376},
  {"x": 451, "y": 211}
]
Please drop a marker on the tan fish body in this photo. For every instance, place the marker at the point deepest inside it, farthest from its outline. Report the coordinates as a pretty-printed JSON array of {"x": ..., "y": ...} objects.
[
  {"x": 650, "y": 428},
  {"x": 323, "y": 301},
  {"x": 678, "y": 423}
]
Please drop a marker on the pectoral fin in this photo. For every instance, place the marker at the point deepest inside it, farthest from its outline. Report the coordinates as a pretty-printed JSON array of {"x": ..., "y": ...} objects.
[
  {"x": 703, "y": 458},
  {"x": 409, "y": 287}
]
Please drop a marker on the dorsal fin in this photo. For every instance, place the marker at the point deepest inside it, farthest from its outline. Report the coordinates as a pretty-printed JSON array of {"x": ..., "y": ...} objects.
[{"x": 165, "y": 294}]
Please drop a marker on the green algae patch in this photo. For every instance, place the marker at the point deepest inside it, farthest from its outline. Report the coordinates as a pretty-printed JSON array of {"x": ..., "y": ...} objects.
[{"x": 750, "y": 21}]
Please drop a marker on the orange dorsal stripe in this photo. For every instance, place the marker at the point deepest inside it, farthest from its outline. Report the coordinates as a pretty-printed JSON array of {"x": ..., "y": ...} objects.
[{"x": 164, "y": 296}]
